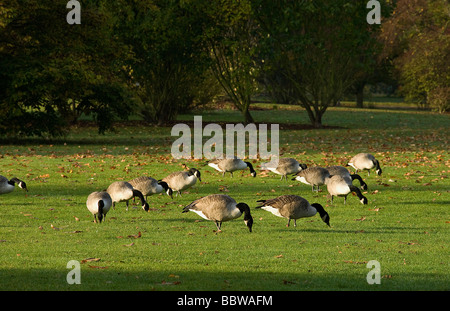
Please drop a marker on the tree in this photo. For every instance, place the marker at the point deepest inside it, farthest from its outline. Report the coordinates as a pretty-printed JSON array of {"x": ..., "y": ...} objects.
[
  {"x": 314, "y": 49},
  {"x": 231, "y": 40},
  {"x": 52, "y": 72},
  {"x": 168, "y": 63},
  {"x": 417, "y": 40}
]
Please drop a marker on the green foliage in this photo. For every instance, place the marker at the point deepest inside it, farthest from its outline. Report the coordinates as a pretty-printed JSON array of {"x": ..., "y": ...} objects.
[
  {"x": 168, "y": 64},
  {"x": 314, "y": 50},
  {"x": 50, "y": 67},
  {"x": 417, "y": 40},
  {"x": 231, "y": 39}
]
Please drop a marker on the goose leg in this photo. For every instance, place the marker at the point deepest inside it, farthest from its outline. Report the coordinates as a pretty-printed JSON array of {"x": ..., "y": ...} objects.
[{"x": 218, "y": 225}]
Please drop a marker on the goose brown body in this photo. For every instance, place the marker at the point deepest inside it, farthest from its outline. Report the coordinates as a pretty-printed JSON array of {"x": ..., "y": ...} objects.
[
  {"x": 220, "y": 208},
  {"x": 293, "y": 207}
]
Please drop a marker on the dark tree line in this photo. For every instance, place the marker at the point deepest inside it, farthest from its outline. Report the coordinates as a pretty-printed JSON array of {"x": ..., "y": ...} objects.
[{"x": 158, "y": 58}]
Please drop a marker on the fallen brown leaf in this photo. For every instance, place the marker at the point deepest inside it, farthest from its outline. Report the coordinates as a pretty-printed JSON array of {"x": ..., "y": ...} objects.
[
  {"x": 90, "y": 260},
  {"x": 135, "y": 235}
]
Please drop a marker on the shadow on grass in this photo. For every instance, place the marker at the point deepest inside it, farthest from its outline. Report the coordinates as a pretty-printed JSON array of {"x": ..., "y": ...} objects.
[{"x": 101, "y": 276}]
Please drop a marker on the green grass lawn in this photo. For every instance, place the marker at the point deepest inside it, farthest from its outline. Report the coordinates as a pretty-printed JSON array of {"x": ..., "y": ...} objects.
[{"x": 405, "y": 226}]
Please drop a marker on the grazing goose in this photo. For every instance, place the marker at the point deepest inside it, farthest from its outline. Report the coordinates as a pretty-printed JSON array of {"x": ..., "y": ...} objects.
[
  {"x": 342, "y": 171},
  {"x": 293, "y": 207},
  {"x": 231, "y": 165},
  {"x": 314, "y": 176},
  {"x": 341, "y": 186},
  {"x": 284, "y": 167},
  {"x": 365, "y": 161},
  {"x": 220, "y": 208},
  {"x": 99, "y": 204},
  {"x": 182, "y": 180},
  {"x": 7, "y": 186},
  {"x": 122, "y": 191},
  {"x": 149, "y": 186}
]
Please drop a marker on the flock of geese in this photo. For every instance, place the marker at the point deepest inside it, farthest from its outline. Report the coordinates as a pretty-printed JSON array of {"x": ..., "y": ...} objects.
[{"x": 221, "y": 208}]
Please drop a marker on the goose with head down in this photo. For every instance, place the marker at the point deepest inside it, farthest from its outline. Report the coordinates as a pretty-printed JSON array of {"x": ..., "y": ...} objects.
[
  {"x": 231, "y": 165},
  {"x": 7, "y": 186},
  {"x": 122, "y": 191},
  {"x": 182, "y": 180},
  {"x": 220, "y": 208},
  {"x": 293, "y": 207}
]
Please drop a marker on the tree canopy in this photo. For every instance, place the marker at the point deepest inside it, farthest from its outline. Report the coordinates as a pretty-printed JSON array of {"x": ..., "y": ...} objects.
[{"x": 156, "y": 58}]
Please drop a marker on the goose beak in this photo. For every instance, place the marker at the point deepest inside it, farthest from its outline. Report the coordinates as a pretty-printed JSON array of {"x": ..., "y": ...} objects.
[
  {"x": 249, "y": 224},
  {"x": 170, "y": 193}
]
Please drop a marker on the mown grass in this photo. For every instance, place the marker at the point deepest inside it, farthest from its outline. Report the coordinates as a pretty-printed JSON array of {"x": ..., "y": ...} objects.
[{"x": 405, "y": 226}]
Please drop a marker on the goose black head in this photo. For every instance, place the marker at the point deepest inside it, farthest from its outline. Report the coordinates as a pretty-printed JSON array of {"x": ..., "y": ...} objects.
[
  {"x": 166, "y": 187},
  {"x": 252, "y": 170},
  {"x": 23, "y": 185},
  {"x": 20, "y": 183},
  {"x": 170, "y": 193},
  {"x": 364, "y": 186},
  {"x": 146, "y": 207},
  {"x": 196, "y": 173},
  {"x": 378, "y": 168},
  {"x": 248, "y": 219},
  {"x": 323, "y": 214},
  {"x": 101, "y": 204}
]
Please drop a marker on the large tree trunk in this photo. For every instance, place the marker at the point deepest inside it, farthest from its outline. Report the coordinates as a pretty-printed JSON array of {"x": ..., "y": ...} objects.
[
  {"x": 247, "y": 117},
  {"x": 315, "y": 116},
  {"x": 360, "y": 94}
]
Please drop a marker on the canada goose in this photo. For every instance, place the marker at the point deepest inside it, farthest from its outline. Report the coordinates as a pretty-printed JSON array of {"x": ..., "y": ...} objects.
[
  {"x": 99, "y": 204},
  {"x": 365, "y": 161},
  {"x": 182, "y": 180},
  {"x": 231, "y": 165},
  {"x": 220, "y": 208},
  {"x": 284, "y": 167},
  {"x": 314, "y": 176},
  {"x": 122, "y": 191},
  {"x": 149, "y": 186},
  {"x": 7, "y": 186},
  {"x": 341, "y": 186},
  {"x": 342, "y": 171},
  {"x": 293, "y": 207}
]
